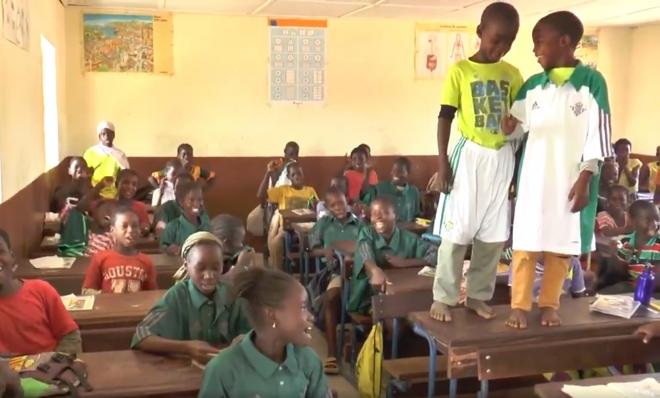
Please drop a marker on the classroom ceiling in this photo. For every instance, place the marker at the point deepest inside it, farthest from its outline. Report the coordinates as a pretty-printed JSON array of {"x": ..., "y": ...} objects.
[{"x": 592, "y": 12}]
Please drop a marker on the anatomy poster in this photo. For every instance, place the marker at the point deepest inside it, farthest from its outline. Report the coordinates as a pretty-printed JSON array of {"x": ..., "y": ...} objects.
[{"x": 439, "y": 46}]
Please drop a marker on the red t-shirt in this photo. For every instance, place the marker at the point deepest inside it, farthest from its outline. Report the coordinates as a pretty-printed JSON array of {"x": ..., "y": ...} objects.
[
  {"x": 355, "y": 180},
  {"x": 33, "y": 319},
  {"x": 141, "y": 210},
  {"x": 112, "y": 272}
]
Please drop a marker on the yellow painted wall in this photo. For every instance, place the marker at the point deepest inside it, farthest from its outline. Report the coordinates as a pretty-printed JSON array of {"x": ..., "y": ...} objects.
[{"x": 21, "y": 105}]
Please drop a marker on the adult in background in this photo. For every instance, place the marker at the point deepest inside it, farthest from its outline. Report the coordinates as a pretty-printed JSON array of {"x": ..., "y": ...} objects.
[{"x": 104, "y": 159}]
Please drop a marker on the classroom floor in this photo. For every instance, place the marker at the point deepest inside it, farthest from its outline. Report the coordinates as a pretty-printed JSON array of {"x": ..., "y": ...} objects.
[{"x": 338, "y": 383}]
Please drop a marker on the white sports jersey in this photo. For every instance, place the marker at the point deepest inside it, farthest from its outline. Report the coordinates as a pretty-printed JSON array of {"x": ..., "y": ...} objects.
[{"x": 566, "y": 125}]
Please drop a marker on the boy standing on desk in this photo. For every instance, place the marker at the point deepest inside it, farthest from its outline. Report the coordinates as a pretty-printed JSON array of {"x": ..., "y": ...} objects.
[
  {"x": 287, "y": 197},
  {"x": 382, "y": 245},
  {"x": 32, "y": 315},
  {"x": 566, "y": 114},
  {"x": 480, "y": 169},
  {"x": 198, "y": 316},
  {"x": 123, "y": 269}
]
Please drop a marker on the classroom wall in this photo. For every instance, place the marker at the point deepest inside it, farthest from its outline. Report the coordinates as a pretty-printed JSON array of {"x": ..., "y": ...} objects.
[{"x": 21, "y": 107}]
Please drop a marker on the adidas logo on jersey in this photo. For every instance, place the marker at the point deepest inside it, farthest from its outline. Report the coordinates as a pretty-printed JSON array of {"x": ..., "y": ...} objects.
[
  {"x": 578, "y": 109},
  {"x": 535, "y": 106}
]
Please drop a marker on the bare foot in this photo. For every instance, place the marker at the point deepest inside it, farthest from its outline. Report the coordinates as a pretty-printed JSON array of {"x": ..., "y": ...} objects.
[
  {"x": 550, "y": 317},
  {"x": 480, "y": 308},
  {"x": 517, "y": 319},
  {"x": 440, "y": 312}
]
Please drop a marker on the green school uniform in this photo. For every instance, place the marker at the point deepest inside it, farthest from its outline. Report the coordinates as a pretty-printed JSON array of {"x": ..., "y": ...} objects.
[
  {"x": 373, "y": 246},
  {"x": 177, "y": 231},
  {"x": 329, "y": 229},
  {"x": 171, "y": 210},
  {"x": 406, "y": 198},
  {"x": 243, "y": 371},
  {"x": 184, "y": 313}
]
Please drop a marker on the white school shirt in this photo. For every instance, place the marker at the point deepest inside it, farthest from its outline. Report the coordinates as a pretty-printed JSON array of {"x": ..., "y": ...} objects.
[{"x": 566, "y": 125}]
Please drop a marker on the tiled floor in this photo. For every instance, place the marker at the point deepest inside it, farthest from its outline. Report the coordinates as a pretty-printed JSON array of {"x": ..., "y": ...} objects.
[{"x": 338, "y": 383}]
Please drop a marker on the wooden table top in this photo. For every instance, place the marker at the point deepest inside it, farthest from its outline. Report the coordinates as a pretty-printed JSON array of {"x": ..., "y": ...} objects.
[
  {"x": 467, "y": 329},
  {"x": 553, "y": 390},
  {"x": 290, "y": 216},
  {"x": 162, "y": 262},
  {"x": 146, "y": 244},
  {"x": 123, "y": 374},
  {"x": 114, "y": 309},
  {"x": 406, "y": 280}
]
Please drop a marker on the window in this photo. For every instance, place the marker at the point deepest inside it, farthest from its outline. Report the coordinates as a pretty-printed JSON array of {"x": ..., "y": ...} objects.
[{"x": 51, "y": 122}]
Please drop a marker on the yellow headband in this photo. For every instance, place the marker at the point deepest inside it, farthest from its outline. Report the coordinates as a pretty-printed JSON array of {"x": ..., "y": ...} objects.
[{"x": 196, "y": 238}]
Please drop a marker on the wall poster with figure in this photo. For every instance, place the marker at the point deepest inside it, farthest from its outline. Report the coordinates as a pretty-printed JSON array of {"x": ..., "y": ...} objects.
[
  {"x": 16, "y": 22},
  {"x": 127, "y": 43},
  {"x": 439, "y": 46}
]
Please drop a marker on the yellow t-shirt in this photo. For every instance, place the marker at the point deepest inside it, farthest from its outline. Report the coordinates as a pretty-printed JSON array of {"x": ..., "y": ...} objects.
[
  {"x": 482, "y": 93},
  {"x": 288, "y": 197},
  {"x": 623, "y": 180},
  {"x": 654, "y": 167}
]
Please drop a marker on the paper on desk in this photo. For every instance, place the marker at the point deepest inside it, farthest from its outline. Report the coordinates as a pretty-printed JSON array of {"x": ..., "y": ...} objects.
[
  {"x": 427, "y": 271},
  {"x": 590, "y": 392},
  {"x": 302, "y": 212},
  {"x": 307, "y": 225},
  {"x": 52, "y": 262},
  {"x": 647, "y": 388},
  {"x": 78, "y": 303}
]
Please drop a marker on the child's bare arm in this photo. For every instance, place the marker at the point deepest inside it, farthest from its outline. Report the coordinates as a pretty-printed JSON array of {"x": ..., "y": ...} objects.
[
  {"x": 262, "y": 192},
  {"x": 445, "y": 174},
  {"x": 648, "y": 331}
]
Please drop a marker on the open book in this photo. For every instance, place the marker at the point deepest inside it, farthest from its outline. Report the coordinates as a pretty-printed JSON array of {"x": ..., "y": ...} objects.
[
  {"x": 78, "y": 303},
  {"x": 623, "y": 306}
]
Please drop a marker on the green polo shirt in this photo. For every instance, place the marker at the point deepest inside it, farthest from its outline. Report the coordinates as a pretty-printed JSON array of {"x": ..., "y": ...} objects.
[
  {"x": 373, "y": 246},
  {"x": 177, "y": 231},
  {"x": 184, "y": 313},
  {"x": 171, "y": 210},
  {"x": 329, "y": 229},
  {"x": 406, "y": 198},
  {"x": 243, "y": 371}
]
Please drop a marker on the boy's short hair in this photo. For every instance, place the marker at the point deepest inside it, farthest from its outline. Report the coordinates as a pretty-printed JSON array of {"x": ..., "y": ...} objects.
[
  {"x": 77, "y": 159},
  {"x": 365, "y": 147},
  {"x": 499, "y": 11},
  {"x": 226, "y": 226},
  {"x": 622, "y": 141},
  {"x": 291, "y": 144},
  {"x": 182, "y": 189},
  {"x": 184, "y": 146},
  {"x": 387, "y": 201},
  {"x": 404, "y": 162},
  {"x": 292, "y": 165},
  {"x": 565, "y": 23},
  {"x": 122, "y": 209},
  {"x": 359, "y": 149},
  {"x": 172, "y": 164},
  {"x": 620, "y": 188},
  {"x": 334, "y": 191},
  {"x": 5, "y": 236},
  {"x": 639, "y": 207},
  {"x": 125, "y": 173}
]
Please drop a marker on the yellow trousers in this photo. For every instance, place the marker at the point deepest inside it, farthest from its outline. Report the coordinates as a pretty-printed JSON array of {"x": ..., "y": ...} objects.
[{"x": 523, "y": 273}]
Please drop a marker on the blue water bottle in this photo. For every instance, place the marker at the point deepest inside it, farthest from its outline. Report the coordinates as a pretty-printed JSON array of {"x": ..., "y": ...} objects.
[{"x": 645, "y": 284}]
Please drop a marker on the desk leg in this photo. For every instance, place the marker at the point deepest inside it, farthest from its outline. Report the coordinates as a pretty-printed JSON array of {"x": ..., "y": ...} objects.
[
  {"x": 287, "y": 249},
  {"x": 342, "y": 313},
  {"x": 484, "y": 389},
  {"x": 395, "y": 337},
  {"x": 433, "y": 352},
  {"x": 305, "y": 267},
  {"x": 453, "y": 387}
]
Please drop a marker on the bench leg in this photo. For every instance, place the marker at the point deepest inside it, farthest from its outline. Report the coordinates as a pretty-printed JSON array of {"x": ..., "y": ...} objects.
[
  {"x": 342, "y": 313},
  {"x": 304, "y": 259},
  {"x": 453, "y": 387},
  {"x": 395, "y": 337},
  {"x": 288, "y": 245},
  {"x": 484, "y": 389},
  {"x": 433, "y": 352}
]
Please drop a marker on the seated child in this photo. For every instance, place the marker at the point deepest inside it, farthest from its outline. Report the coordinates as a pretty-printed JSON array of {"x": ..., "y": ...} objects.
[
  {"x": 628, "y": 167},
  {"x": 32, "y": 315},
  {"x": 123, "y": 269},
  {"x": 294, "y": 196},
  {"x": 609, "y": 176},
  {"x": 165, "y": 191},
  {"x": 358, "y": 181},
  {"x": 237, "y": 255},
  {"x": 280, "y": 176},
  {"x": 275, "y": 357},
  {"x": 191, "y": 220},
  {"x": 638, "y": 248},
  {"x": 184, "y": 154},
  {"x": 171, "y": 210},
  {"x": 379, "y": 246},
  {"x": 336, "y": 182},
  {"x": 613, "y": 221},
  {"x": 198, "y": 316},
  {"x": 100, "y": 237},
  {"x": 127, "y": 185},
  {"x": 339, "y": 225},
  {"x": 405, "y": 195},
  {"x": 73, "y": 190}
]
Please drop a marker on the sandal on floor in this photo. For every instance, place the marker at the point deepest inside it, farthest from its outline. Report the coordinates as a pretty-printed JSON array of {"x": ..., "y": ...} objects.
[{"x": 330, "y": 366}]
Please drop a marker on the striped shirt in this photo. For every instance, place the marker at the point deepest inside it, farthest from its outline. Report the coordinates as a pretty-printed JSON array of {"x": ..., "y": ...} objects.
[
  {"x": 98, "y": 243},
  {"x": 636, "y": 257}
]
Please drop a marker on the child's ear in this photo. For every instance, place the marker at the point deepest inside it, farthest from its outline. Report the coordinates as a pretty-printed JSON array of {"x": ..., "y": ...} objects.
[
  {"x": 479, "y": 31},
  {"x": 566, "y": 41}
]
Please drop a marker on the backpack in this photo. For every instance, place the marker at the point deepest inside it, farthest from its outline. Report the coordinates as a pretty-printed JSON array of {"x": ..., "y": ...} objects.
[
  {"x": 50, "y": 373},
  {"x": 368, "y": 368},
  {"x": 315, "y": 289}
]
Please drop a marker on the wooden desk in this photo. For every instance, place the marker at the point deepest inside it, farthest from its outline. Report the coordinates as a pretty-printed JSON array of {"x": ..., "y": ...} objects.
[
  {"x": 289, "y": 216},
  {"x": 553, "y": 390},
  {"x": 128, "y": 374},
  {"x": 146, "y": 244},
  {"x": 469, "y": 341},
  {"x": 413, "y": 227},
  {"x": 67, "y": 281},
  {"x": 111, "y": 324}
]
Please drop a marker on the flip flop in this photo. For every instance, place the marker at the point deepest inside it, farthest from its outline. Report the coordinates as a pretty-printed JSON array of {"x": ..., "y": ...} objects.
[{"x": 330, "y": 366}]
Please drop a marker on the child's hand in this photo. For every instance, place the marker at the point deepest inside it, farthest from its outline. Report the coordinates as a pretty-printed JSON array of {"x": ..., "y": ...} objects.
[
  {"x": 173, "y": 250},
  {"x": 648, "y": 331},
  {"x": 395, "y": 261},
  {"x": 272, "y": 166},
  {"x": 201, "y": 351},
  {"x": 106, "y": 181},
  {"x": 10, "y": 383},
  {"x": 579, "y": 195},
  {"x": 378, "y": 279},
  {"x": 445, "y": 175},
  {"x": 509, "y": 124}
]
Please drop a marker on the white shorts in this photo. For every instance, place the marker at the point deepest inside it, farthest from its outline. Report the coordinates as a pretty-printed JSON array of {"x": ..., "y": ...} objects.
[{"x": 478, "y": 204}]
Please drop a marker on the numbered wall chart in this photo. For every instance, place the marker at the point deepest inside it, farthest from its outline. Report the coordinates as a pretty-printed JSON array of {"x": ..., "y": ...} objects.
[{"x": 297, "y": 61}]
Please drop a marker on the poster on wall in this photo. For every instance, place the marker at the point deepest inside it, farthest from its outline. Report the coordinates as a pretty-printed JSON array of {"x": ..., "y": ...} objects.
[
  {"x": 297, "y": 61},
  {"x": 127, "y": 43},
  {"x": 16, "y": 22},
  {"x": 587, "y": 50},
  {"x": 439, "y": 46}
]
